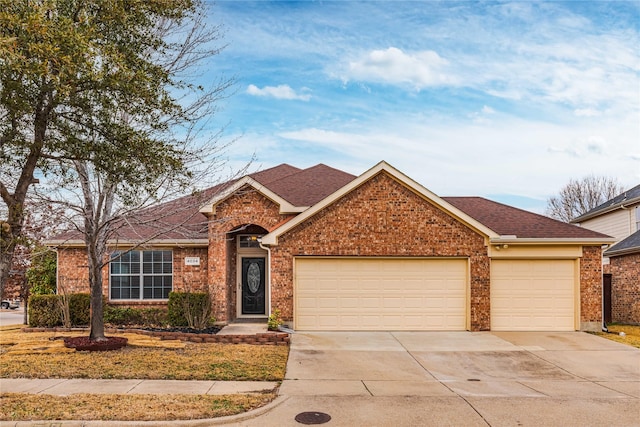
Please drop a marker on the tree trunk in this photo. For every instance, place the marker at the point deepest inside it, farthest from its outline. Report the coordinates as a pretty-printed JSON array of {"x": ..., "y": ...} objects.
[
  {"x": 5, "y": 265},
  {"x": 97, "y": 314}
]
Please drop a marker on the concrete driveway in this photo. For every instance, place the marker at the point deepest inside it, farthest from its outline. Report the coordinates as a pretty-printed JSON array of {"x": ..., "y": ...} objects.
[{"x": 459, "y": 378}]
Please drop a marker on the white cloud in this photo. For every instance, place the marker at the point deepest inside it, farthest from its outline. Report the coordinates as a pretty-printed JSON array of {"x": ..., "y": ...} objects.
[
  {"x": 393, "y": 66},
  {"x": 279, "y": 92},
  {"x": 587, "y": 112}
]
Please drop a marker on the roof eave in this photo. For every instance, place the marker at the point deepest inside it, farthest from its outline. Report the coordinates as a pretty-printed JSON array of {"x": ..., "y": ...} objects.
[
  {"x": 622, "y": 205},
  {"x": 552, "y": 240},
  {"x": 621, "y": 252},
  {"x": 130, "y": 243}
]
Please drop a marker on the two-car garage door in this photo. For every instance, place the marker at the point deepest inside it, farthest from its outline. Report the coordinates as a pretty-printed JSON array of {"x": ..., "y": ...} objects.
[
  {"x": 380, "y": 294},
  {"x": 431, "y": 294}
]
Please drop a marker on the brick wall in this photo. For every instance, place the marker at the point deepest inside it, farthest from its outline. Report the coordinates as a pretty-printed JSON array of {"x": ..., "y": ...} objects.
[
  {"x": 73, "y": 273},
  {"x": 591, "y": 288},
  {"x": 382, "y": 218},
  {"x": 73, "y": 270},
  {"x": 625, "y": 288},
  {"x": 247, "y": 207}
]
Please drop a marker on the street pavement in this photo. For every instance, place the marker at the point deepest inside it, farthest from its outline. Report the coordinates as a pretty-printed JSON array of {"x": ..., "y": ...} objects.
[
  {"x": 444, "y": 378},
  {"x": 12, "y": 317}
]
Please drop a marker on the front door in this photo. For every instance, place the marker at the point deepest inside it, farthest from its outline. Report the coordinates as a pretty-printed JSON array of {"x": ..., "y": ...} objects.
[{"x": 253, "y": 286}]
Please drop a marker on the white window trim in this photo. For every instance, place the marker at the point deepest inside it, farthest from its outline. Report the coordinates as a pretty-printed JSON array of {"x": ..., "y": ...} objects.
[{"x": 142, "y": 275}]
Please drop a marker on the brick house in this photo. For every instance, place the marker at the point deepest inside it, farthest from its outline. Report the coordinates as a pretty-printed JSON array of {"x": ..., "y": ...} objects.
[
  {"x": 624, "y": 267},
  {"x": 620, "y": 218},
  {"x": 379, "y": 251}
]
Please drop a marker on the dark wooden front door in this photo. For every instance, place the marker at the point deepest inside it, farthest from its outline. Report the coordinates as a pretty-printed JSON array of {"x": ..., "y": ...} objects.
[{"x": 253, "y": 286}]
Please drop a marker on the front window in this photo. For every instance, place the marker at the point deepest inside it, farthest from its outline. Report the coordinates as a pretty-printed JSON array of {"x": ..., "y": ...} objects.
[
  {"x": 637, "y": 218},
  {"x": 141, "y": 275}
]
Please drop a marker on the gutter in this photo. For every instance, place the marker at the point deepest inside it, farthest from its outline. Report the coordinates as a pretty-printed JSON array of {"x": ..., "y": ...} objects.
[
  {"x": 552, "y": 240},
  {"x": 127, "y": 243}
]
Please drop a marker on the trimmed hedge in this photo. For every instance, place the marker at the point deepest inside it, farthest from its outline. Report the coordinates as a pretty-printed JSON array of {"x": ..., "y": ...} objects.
[
  {"x": 44, "y": 311},
  {"x": 179, "y": 302},
  {"x": 80, "y": 309},
  {"x": 127, "y": 316}
]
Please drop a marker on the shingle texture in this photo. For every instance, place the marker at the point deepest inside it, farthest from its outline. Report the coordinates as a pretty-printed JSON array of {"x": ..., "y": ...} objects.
[
  {"x": 628, "y": 245},
  {"x": 507, "y": 220}
]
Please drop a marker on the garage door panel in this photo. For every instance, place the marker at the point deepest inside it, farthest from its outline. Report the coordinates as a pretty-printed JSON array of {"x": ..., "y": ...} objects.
[
  {"x": 533, "y": 295},
  {"x": 381, "y": 294}
]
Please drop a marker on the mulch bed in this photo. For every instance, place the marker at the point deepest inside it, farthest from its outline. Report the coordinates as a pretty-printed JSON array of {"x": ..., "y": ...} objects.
[{"x": 86, "y": 344}]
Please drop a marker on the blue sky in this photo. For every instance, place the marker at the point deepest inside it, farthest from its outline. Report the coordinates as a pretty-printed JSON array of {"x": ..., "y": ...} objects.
[{"x": 502, "y": 100}]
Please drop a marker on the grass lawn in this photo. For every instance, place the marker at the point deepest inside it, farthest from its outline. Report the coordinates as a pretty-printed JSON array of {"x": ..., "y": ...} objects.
[
  {"x": 43, "y": 355},
  {"x": 142, "y": 407},
  {"x": 631, "y": 334}
]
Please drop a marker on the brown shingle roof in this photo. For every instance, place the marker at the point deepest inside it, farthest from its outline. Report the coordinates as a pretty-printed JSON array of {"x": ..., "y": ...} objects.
[
  {"x": 182, "y": 219},
  {"x": 507, "y": 220},
  {"x": 307, "y": 187}
]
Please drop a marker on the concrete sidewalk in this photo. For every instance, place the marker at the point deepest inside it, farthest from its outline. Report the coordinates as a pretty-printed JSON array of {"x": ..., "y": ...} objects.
[{"x": 65, "y": 387}]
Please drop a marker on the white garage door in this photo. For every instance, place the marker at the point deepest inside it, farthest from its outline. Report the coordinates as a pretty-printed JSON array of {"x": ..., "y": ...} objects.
[
  {"x": 377, "y": 294},
  {"x": 533, "y": 295}
]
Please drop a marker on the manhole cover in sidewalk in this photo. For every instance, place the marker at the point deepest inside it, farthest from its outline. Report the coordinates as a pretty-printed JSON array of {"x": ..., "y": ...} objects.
[{"x": 313, "y": 418}]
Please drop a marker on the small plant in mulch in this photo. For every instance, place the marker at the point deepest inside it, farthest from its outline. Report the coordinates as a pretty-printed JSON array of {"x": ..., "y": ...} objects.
[
  {"x": 87, "y": 344},
  {"x": 274, "y": 321}
]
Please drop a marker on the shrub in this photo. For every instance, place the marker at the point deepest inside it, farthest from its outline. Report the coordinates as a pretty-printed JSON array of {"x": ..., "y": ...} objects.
[
  {"x": 80, "y": 309},
  {"x": 45, "y": 311},
  {"x": 121, "y": 316},
  {"x": 127, "y": 316},
  {"x": 191, "y": 309}
]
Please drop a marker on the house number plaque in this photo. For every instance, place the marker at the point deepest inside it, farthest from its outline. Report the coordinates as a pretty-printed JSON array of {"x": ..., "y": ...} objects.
[{"x": 191, "y": 260}]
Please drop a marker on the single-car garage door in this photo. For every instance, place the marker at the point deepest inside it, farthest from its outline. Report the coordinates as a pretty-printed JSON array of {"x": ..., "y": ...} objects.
[
  {"x": 377, "y": 294},
  {"x": 533, "y": 295}
]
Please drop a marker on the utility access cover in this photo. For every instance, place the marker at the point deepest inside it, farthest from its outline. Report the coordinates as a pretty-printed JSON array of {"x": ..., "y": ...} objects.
[{"x": 312, "y": 418}]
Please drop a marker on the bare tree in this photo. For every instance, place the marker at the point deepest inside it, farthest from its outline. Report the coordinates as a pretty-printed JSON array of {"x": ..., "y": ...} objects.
[{"x": 580, "y": 196}]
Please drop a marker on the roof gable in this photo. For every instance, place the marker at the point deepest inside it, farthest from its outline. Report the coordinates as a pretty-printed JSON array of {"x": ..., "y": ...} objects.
[
  {"x": 307, "y": 187},
  {"x": 272, "y": 238},
  {"x": 293, "y": 189},
  {"x": 626, "y": 198}
]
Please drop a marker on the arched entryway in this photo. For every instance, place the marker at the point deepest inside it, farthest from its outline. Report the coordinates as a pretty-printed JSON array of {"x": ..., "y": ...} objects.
[{"x": 248, "y": 272}]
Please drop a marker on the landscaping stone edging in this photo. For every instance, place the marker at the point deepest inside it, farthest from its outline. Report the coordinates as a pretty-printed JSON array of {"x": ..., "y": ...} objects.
[{"x": 265, "y": 338}]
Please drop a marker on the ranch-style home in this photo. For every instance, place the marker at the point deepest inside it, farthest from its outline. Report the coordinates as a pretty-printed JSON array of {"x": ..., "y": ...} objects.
[{"x": 379, "y": 251}]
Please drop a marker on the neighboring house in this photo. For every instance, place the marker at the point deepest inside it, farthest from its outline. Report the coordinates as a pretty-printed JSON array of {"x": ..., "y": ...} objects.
[
  {"x": 620, "y": 218},
  {"x": 379, "y": 251},
  {"x": 625, "y": 279}
]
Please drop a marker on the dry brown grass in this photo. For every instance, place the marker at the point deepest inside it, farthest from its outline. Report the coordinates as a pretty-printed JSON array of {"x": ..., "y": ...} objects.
[
  {"x": 632, "y": 334},
  {"x": 40, "y": 355},
  {"x": 24, "y": 407}
]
